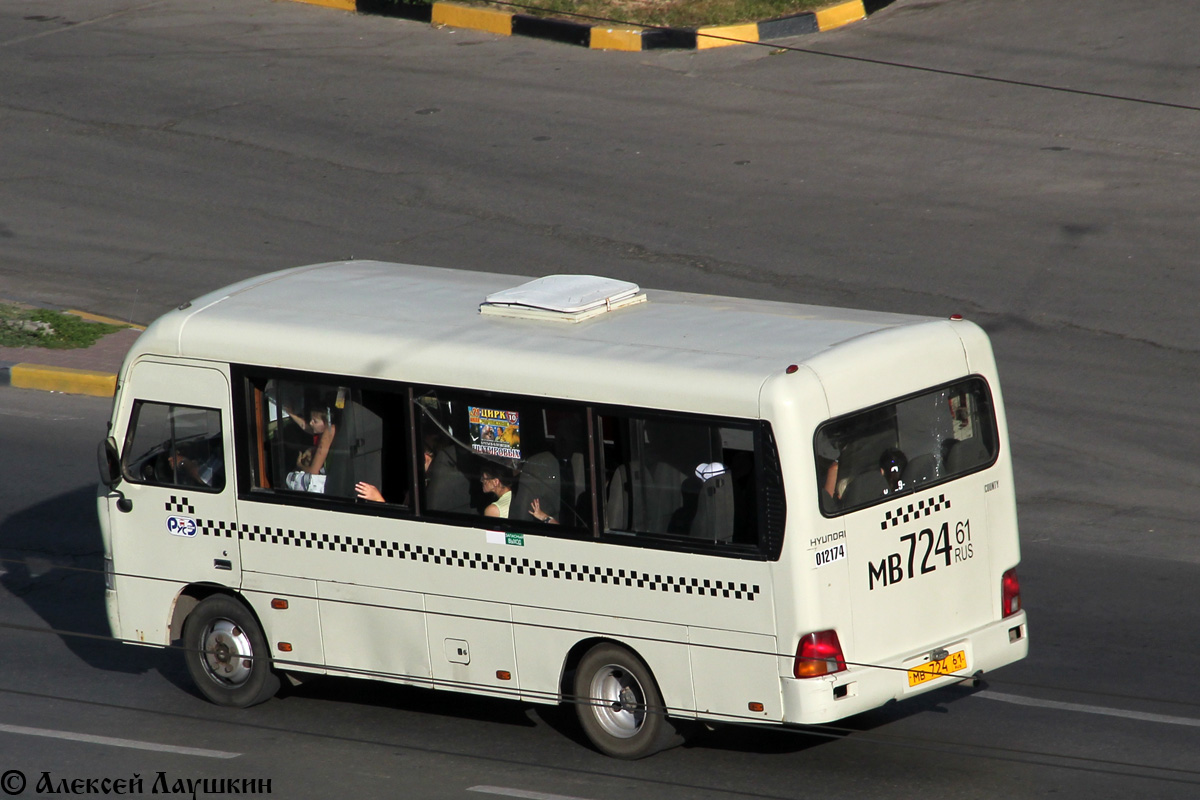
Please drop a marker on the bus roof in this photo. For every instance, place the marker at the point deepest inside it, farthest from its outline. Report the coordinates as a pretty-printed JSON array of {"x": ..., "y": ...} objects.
[{"x": 423, "y": 324}]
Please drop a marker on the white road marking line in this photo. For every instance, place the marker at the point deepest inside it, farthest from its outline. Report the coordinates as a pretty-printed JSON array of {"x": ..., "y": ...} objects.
[
  {"x": 506, "y": 792},
  {"x": 1086, "y": 709},
  {"x": 112, "y": 742}
]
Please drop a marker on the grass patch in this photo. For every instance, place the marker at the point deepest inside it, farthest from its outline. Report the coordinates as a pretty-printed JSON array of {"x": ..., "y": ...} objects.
[
  {"x": 663, "y": 13},
  {"x": 22, "y": 326}
]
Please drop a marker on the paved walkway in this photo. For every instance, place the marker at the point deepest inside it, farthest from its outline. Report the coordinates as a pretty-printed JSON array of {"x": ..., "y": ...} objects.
[{"x": 84, "y": 370}]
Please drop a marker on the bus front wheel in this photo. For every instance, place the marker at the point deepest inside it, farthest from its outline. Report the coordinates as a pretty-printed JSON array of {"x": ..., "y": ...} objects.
[
  {"x": 227, "y": 654},
  {"x": 619, "y": 705}
]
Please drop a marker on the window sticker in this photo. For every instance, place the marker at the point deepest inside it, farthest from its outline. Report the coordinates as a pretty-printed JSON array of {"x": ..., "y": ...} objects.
[{"x": 495, "y": 432}]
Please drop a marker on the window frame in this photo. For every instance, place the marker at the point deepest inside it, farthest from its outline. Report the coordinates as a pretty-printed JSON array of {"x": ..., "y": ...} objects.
[
  {"x": 248, "y": 379},
  {"x": 131, "y": 429},
  {"x": 765, "y": 547},
  {"x": 993, "y": 432},
  {"x": 768, "y": 545}
]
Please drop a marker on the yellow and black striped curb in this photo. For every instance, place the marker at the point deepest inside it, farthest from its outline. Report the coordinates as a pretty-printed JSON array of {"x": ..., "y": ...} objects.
[
  {"x": 58, "y": 379},
  {"x": 604, "y": 36}
]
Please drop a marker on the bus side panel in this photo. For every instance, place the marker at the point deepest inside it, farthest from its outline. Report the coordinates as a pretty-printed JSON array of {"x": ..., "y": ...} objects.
[
  {"x": 143, "y": 610},
  {"x": 374, "y": 633},
  {"x": 298, "y": 625},
  {"x": 471, "y": 646},
  {"x": 1000, "y": 489},
  {"x": 544, "y": 637},
  {"x": 719, "y": 655}
]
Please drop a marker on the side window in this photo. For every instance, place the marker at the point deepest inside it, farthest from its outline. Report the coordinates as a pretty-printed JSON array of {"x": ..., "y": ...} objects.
[
  {"x": 678, "y": 478},
  {"x": 170, "y": 445},
  {"x": 902, "y": 446},
  {"x": 521, "y": 459},
  {"x": 327, "y": 438}
]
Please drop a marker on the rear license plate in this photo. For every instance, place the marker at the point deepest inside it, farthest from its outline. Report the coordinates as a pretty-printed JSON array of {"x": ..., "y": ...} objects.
[{"x": 955, "y": 662}]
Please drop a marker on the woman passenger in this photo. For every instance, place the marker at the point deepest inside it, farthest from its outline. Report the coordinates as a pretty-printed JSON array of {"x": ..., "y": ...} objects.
[{"x": 497, "y": 480}]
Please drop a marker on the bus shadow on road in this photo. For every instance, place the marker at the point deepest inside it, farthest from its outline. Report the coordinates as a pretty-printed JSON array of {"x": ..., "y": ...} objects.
[
  {"x": 774, "y": 740},
  {"x": 51, "y": 558}
]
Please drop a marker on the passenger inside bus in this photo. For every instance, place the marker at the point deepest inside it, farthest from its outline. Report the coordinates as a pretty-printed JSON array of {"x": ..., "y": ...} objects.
[
  {"x": 369, "y": 491},
  {"x": 323, "y": 433},
  {"x": 497, "y": 480},
  {"x": 199, "y": 471},
  {"x": 300, "y": 479}
]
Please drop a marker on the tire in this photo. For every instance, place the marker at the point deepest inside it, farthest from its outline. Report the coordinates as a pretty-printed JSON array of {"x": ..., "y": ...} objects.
[
  {"x": 619, "y": 705},
  {"x": 227, "y": 654}
]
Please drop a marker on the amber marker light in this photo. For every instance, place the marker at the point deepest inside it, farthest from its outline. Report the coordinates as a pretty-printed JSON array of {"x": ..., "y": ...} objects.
[
  {"x": 284, "y": 647},
  {"x": 756, "y": 707},
  {"x": 504, "y": 675},
  {"x": 279, "y": 604}
]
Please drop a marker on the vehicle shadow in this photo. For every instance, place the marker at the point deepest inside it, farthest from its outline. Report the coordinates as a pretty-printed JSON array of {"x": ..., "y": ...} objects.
[
  {"x": 51, "y": 558},
  {"x": 413, "y": 699},
  {"x": 776, "y": 740}
]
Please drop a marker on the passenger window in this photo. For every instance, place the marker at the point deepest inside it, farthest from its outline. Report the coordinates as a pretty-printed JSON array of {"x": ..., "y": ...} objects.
[
  {"x": 170, "y": 445},
  {"x": 903, "y": 446},
  {"x": 326, "y": 439},
  {"x": 667, "y": 477},
  {"x": 513, "y": 458}
]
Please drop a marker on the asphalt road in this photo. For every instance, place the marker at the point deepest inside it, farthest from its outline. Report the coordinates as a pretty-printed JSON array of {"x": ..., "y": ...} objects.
[{"x": 1032, "y": 165}]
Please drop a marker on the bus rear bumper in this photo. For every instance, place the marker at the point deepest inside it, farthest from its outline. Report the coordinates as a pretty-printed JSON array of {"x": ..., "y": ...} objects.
[{"x": 812, "y": 701}]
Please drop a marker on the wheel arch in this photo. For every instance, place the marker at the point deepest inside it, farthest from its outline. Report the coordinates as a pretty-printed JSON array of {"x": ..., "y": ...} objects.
[
  {"x": 566, "y": 688},
  {"x": 195, "y": 593}
]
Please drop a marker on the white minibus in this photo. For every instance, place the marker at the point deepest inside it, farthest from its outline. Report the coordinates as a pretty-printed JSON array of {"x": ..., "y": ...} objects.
[{"x": 665, "y": 508}]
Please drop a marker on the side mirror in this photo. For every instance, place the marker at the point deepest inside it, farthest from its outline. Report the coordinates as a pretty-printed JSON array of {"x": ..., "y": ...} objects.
[{"x": 109, "y": 462}]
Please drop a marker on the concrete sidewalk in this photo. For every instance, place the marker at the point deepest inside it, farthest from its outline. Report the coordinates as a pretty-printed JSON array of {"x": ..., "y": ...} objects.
[{"x": 84, "y": 370}]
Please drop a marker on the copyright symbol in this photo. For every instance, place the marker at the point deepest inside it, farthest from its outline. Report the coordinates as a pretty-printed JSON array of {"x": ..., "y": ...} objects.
[{"x": 12, "y": 782}]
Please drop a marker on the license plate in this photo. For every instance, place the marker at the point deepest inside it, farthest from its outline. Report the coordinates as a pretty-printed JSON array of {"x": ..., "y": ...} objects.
[{"x": 955, "y": 662}]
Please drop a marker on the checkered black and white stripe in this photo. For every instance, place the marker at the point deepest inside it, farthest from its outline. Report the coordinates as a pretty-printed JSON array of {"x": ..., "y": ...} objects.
[
  {"x": 912, "y": 511},
  {"x": 466, "y": 559},
  {"x": 179, "y": 505}
]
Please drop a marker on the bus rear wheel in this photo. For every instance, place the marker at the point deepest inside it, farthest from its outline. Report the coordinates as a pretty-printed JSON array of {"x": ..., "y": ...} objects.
[
  {"x": 227, "y": 654},
  {"x": 619, "y": 705}
]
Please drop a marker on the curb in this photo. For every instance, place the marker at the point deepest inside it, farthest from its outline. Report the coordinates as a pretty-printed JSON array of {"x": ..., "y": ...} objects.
[
  {"x": 629, "y": 38},
  {"x": 67, "y": 380},
  {"x": 58, "y": 379}
]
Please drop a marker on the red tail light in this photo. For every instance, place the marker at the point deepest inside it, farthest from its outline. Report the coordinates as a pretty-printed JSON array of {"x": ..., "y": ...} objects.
[
  {"x": 1010, "y": 593},
  {"x": 819, "y": 654}
]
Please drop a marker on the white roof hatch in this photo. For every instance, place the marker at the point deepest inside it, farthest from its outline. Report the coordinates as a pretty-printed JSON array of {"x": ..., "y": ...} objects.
[{"x": 566, "y": 298}]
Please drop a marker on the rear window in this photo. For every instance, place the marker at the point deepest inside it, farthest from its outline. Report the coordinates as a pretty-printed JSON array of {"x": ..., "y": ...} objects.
[{"x": 905, "y": 445}]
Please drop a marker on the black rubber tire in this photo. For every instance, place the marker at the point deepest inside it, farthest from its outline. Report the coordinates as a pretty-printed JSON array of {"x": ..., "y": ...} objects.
[
  {"x": 619, "y": 705},
  {"x": 227, "y": 654}
]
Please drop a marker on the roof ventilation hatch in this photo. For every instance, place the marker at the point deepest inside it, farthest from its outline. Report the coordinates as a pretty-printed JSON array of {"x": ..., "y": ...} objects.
[{"x": 563, "y": 298}]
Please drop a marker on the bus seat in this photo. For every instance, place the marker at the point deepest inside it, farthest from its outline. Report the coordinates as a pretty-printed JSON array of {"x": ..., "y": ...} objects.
[
  {"x": 865, "y": 487},
  {"x": 922, "y": 469},
  {"x": 616, "y": 501},
  {"x": 965, "y": 454},
  {"x": 714, "y": 510},
  {"x": 664, "y": 499},
  {"x": 539, "y": 478},
  {"x": 447, "y": 489}
]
